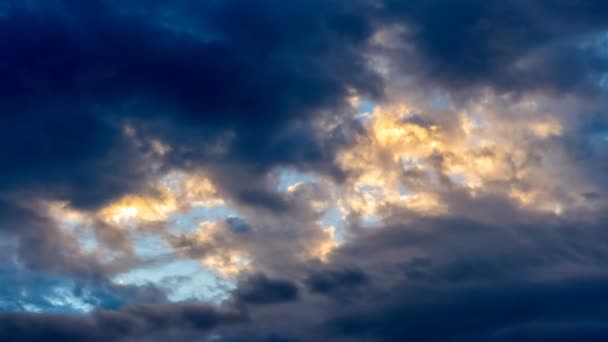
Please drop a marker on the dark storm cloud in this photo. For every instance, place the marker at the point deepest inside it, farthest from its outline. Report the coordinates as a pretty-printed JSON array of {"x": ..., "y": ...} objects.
[
  {"x": 328, "y": 282},
  {"x": 506, "y": 45},
  {"x": 474, "y": 282},
  {"x": 72, "y": 72},
  {"x": 460, "y": 280},
  {"x": 175, "y": 322},
  {"x": 260, "y": 289},
  {"x": 532, "y": 312},
  {"x": 65, "y": 153},
  {"x": 521, "y": 279}
]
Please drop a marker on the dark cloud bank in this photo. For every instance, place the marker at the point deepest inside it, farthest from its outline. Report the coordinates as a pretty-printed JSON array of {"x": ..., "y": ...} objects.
[{"x": 235, "y": 87}]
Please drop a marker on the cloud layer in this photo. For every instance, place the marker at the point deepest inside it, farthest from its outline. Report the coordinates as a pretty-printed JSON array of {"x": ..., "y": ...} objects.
[{"x": 303, "y": 171}]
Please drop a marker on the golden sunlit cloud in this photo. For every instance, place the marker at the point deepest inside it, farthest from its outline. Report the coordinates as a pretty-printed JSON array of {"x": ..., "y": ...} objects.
[
  {"x": 139, "y": 208},
  {"x": 322, "y": 251},
  {"x": 175, "y": 192},
  {"x": 409, "y": 157}
]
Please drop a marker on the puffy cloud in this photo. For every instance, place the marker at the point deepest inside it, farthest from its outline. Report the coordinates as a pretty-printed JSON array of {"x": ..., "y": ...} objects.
[{"x": 415, "y": 155}]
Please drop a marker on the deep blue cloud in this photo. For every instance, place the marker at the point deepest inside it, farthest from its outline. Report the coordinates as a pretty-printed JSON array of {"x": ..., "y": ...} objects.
[
  {"x": 260, "y": 290},
  {"x": 332, "y": 281},
  {"x": 507, "y": 45},
  {"x": 145, "y": 322}
]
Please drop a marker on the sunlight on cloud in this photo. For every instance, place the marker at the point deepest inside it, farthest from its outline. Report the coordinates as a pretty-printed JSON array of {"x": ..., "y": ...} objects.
[
  {"x": 410, "y": 158},
  {"x": 138, "y": 208},
  {"x": 177, "y": 196},
  {"x": 175, "y": 192},
  {"x": 322, "y": 251},
  {"x": 486, "y": 150},
  {"x": 227, "y": 260},
  {"x": 376, "y": 163}
]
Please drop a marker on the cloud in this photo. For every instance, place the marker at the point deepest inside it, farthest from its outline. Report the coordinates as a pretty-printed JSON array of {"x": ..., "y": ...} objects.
[
  {"x": 478, "y": 282},
  {"x": 150, "y": 322},
  {"x": 204, "y": 91},
  {"x": 261, "y": 290},
  {"x": 344, "y": 171},
  {"x": 490, "y": 315},
  {"x": 327, "y": 282},
  {"x": 120, "y": 98},
  {"x": 510, "y": 46}
]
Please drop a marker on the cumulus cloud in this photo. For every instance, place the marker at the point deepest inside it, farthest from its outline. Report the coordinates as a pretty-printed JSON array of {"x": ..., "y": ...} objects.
[{"x": 303, "y": 171}]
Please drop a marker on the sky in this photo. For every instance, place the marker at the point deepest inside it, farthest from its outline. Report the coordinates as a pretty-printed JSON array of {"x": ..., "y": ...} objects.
[{"x": 307, "y": 170}]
